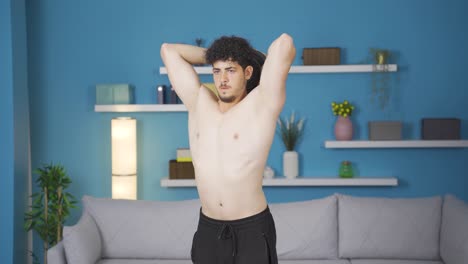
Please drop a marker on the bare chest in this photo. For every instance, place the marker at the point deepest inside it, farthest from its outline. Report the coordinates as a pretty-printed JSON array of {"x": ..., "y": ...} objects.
[
  {"x": 235, "y": 142},
  {"x": 218, "y": 136}
]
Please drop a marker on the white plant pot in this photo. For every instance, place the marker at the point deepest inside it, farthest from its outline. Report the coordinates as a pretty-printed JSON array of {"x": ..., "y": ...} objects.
[{"x": 290, "y": 164}]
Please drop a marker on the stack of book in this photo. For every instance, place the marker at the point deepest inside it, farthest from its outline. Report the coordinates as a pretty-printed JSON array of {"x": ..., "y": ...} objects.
[{"x": 182, "y": 166}]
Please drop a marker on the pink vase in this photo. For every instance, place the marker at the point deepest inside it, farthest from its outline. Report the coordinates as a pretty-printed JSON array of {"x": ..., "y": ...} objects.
[{"x": 343, "y": 128}]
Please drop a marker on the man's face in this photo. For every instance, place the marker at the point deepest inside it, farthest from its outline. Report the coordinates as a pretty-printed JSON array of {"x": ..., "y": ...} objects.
[{"x": 230, "y": 80}]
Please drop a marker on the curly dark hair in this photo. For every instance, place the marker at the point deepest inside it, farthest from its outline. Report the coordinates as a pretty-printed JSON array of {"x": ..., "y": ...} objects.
[{"x": 239, "y": 50}]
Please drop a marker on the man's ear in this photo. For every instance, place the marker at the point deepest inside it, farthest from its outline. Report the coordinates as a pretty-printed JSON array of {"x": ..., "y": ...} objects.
[{"x": 248, "y": 72}]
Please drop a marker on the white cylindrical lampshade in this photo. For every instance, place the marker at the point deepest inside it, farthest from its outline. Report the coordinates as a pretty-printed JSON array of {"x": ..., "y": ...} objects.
[
  {"x": 124, "y": 187},
  {"x": 124, "y": 158},
  {"x": 124, "y": 146}
]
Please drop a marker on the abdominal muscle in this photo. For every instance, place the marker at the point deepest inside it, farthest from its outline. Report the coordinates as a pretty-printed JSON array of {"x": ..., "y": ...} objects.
[
  {"x": 226, "y": 198},
  {"x": 229, "y": 166},
  {"x": 229, "y": 172}
]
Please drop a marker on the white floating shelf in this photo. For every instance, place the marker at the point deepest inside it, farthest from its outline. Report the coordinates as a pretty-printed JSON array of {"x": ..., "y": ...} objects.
[
  {"x": 344, "y": 68},
  {"x": 302, "y": 181},
  {"x": 141, "y": 108},
  {"x": 317, "y": 68},
  {"x": 397, "y": 144}
]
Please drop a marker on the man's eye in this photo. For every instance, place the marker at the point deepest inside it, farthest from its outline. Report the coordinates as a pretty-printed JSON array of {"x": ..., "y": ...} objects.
[
  {"x": 215, "y": 72},
  {"x": 231, "y": 71}
]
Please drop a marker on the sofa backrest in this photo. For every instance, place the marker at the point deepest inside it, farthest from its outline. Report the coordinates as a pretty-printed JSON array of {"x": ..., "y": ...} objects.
[
  {"x": 338, "y": 226},
  {"x": 306, "y": 230},
  {"x": 454, "y": 233},
  {"x": 389, "y": 227},
  {"x": 144, "y": 229}
]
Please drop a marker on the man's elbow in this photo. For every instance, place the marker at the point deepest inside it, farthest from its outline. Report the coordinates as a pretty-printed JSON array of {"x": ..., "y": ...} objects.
[
  {"x": 288, "y": 44},
  {"x": 286, "y": 38},
  {"x": 165, "y": 49},
  {"x": 283, "y": 44}
]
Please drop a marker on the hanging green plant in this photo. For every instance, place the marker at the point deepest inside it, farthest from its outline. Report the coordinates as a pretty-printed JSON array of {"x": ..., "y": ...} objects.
[
  {"x": 50, "y": 206},
  {"x": 381, "y": 56},
  {"x": 380, "y": 83}
]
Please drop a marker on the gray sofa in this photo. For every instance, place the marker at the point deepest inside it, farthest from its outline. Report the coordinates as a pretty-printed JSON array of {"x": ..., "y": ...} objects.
[{"x": 338, "y": 229}]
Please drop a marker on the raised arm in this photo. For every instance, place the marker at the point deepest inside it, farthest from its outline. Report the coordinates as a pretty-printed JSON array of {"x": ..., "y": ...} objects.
[
  {"x": 275, "y": 71},
  {"x": 179, "y": 59}
]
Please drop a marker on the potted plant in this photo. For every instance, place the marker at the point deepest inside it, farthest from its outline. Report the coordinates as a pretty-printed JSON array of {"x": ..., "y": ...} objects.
[
  {"x": 291, "y": 131},
  {"x": 50, "y": 206},
  {"x": 380, "y": 56},
  {"x": 343, "y": 125}
]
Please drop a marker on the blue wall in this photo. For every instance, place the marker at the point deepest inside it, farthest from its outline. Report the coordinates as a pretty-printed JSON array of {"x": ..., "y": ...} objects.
[
  {"x": 21, "y": 128},
  {"x": 75, "y": 45},
  {"x": 14, "y": 140},
  {"x": 6, "y": 138}
]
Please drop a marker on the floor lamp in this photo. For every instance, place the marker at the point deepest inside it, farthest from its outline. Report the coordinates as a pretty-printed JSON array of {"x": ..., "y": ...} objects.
[{"x": 124, "y": 158}]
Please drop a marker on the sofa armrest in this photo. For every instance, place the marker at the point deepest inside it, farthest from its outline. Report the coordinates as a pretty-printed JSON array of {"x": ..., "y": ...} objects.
[
  {"x": 56, "y": 254},
  {"x": 82, "y": 242},
  {"x": 454, "y": 231}
]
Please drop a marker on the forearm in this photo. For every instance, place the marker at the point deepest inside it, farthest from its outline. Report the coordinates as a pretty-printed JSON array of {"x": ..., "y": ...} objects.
[{"x": 191, "y": 54}]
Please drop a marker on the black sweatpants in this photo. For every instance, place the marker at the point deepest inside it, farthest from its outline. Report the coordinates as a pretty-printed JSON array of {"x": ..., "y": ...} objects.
[{"x": 249, "y": 240}]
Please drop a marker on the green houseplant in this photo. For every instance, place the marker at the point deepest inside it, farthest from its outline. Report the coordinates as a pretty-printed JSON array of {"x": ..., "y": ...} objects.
[
  {"x": 291, "y": 131},
  {"x": 50, "y": 206}
]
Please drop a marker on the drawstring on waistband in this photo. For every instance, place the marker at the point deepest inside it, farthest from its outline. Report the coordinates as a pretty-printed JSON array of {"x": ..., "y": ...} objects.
[{"x": 230, "y": 235}]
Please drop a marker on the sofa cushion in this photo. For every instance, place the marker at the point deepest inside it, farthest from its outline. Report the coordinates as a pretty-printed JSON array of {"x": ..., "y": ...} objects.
[
  {"x": 82, "y": 242},
  {"x": 394, "y": 261},
  {"x": 315, "y": 261},
  {"x": 403, "y": 228},
  {"x": 145, "y": 261},
  {"x": 454, "y": 234},
  {"x": 145, "y": 229},
  {"x": 168, "y": 261},
  {"x": 307, "y": 229}
]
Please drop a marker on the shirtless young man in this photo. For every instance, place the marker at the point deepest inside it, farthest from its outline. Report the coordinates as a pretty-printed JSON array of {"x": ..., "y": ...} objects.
[{"x": 230, "y": 137}]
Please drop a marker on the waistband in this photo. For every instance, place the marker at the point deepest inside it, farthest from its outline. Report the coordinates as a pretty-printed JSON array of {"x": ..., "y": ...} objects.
[
  {"x": 227, "y": 229},
  {"x": 246, "y": 221}
]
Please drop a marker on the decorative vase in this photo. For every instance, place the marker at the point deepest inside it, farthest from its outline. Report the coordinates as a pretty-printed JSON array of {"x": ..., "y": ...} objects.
[
  {"x": 290, "y": 164},
  {"x": 343, "y": 128},
  {"x": 346, "y": 170}
]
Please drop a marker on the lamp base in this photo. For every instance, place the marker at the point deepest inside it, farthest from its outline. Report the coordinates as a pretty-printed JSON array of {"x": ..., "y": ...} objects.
[{"x": 124, "y": 187}]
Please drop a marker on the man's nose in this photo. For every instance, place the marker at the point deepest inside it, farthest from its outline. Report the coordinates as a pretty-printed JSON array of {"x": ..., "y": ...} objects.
[{"x": 224, "y": 77}]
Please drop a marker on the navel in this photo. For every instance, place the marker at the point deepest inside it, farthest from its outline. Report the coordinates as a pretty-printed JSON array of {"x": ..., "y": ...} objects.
[
  {"x": 221, "y": 204},
  {"x": 198, "y": 135},
  {"x": 236, "y": 136}
]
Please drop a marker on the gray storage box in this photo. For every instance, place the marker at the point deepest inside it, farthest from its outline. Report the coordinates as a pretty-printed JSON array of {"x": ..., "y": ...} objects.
[
  {"x": 440, "y": 128},
  {"x": 385, "y": 130},
  {"x": 114, "y": 94}
]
